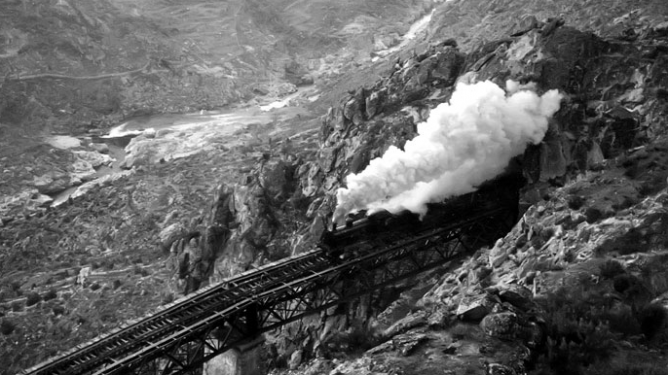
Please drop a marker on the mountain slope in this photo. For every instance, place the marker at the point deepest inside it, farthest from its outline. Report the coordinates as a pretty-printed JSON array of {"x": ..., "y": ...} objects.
[
  {"x": 75, "y": 67},
  {"x": 597, "y": 183}
]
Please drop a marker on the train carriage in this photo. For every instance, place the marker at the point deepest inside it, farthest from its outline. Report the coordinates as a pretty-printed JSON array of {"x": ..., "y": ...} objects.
[{"x": 362, "y": 232}]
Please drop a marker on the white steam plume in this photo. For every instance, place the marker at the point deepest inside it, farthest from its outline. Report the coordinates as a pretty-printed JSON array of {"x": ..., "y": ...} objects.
[{"x": 460, "y": 146}]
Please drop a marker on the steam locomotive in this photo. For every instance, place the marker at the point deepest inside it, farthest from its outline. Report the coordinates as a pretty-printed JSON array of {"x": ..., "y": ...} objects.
[{"x": 361, "y": 232}]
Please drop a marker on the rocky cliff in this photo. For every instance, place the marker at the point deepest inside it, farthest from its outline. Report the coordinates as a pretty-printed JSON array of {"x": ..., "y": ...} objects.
[
  {"x": 579, "y": 280},
  {"x": 594, "y": 192}
]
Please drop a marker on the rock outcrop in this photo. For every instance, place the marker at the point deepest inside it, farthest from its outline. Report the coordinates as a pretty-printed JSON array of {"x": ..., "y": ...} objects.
[
  {"x": 595, "y": 191},
  {"x": 599, "y": 119}
]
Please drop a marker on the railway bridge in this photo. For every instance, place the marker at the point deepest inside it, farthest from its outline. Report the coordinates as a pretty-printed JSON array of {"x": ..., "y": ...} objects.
[{"x": 183, "y": 336}]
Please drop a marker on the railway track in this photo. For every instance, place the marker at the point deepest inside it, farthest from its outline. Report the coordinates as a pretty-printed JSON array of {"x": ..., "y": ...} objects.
[
  {"x": 135, "y": 335},
  {"x": 264, "y": 299},
  {"x": 288, "y": 291}
]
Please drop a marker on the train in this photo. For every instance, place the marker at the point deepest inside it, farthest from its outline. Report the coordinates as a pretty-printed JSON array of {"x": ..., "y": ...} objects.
[{"x": 362, "y": 232}]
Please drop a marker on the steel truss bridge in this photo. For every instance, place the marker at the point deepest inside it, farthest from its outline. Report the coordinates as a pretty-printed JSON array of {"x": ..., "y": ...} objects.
[{"x": 182, "y": 336}]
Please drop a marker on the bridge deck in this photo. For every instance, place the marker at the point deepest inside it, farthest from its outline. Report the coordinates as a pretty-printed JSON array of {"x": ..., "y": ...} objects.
[{"x": 183, "y": 335}]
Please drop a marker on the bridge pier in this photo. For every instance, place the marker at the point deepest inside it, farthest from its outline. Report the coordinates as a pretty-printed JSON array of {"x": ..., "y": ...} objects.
[{"x": 243, "y": 359}]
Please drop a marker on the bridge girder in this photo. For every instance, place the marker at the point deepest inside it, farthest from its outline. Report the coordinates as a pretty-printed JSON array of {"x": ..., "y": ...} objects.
[{"x": 266, "y": 301}]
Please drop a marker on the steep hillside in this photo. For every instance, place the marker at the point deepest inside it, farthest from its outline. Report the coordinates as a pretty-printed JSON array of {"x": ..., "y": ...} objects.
[
  {"x": 577, "y": 287},
  {"x": 73, "y": 67},
  {"x": 76, "y": 67},
  {"x": 475, "y": 22},
  {"x": 103, "y": 60}
]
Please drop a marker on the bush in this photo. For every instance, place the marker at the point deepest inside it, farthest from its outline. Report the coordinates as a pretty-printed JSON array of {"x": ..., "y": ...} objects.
[
  {"x": 51, "y": 294},
  {"x": 16, "y": 287},
  {"x": 592, "y": 344},
  {"x": 578, "y": 331},
  {"x": 361, "y": 338},
  {"x": 33, "y": 298},
  {"x": 356, "y": 339},
  {"x": 593, "y": 214},
  {"x": 584, "y": 323},
  {"x": 631, "y": 365},
  {"x": 624, "y": 282},
  {"x": 167, "y": 298},
  {"x": 139, "y": 270},
  {"x": 575, "y": 202},
  {"x": 108, "y": 264},
  {"x": 610, "y": 269},
  {"x": 58, "y": 310},
  {"x": 7, "y": 327},
  {"x": 638, "y": 369},
  {"x": 622, "y": 320},
  {"x": 652, "y": 319},
  {"x": 462, "y": 330},
  {"x": 632, "y": 170}
]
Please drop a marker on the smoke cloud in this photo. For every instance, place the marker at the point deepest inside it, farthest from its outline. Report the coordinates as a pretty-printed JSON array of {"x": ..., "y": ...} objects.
[{"x": 461, "y": 145}]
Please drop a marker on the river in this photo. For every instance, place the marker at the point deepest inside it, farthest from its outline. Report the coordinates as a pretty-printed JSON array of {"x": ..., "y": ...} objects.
[
  {"x": 187, "y": 132},
  {"x": 172, "y": 136}
]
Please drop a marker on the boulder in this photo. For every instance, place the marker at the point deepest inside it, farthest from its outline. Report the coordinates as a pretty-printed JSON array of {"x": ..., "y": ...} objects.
[
  {"x": 275, "y": 177},
  {"x": 94, "y": 158},
  {"x": 41, "y": 200},
  {"x": 102, "y": 181},
  {"x": 498, "y": 254},
  {"x": 526, "y": 24},
  {"x": 405, "y": 344},
  {"x": 475, "y": 308},
  {"x": 410, "y": 321},
  {"x": 351, "y": 111},
  {"x": 553, "y": 161},
  {"x": 81, "y": 171},
  {"x": 382, "y": 348},
  {"x": 444, "y": 67},
  {"x": 408, "y": 342},
  {"x": 222, "y": 212},
  {"x": 319, "y": 366},
  {"x": 661, "y": 28},
  {"x": 30, "y": 199},
  {"x": 439, "y": 318},
  {"x": 305, "y": 80},
  {"x": 295, "y": 359},
  {"x": 516, "y": 295},
  {"x": 52, "y": 182},
  {"x": 503, "y": 325},
  {"x": 170, "y": 233},
  {"x": 84, "y": 273},
  {"x": 102, "y": 148},
  {"x": 661, "y": 300},
  {"x": 372, "y": 104},
  {"x": 311, "y": 178},
  {"x": 498, "y": 369}
]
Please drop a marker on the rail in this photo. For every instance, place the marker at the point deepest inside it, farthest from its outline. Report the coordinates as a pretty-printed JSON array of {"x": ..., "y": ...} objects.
[{"x": 182, "y": 336}]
